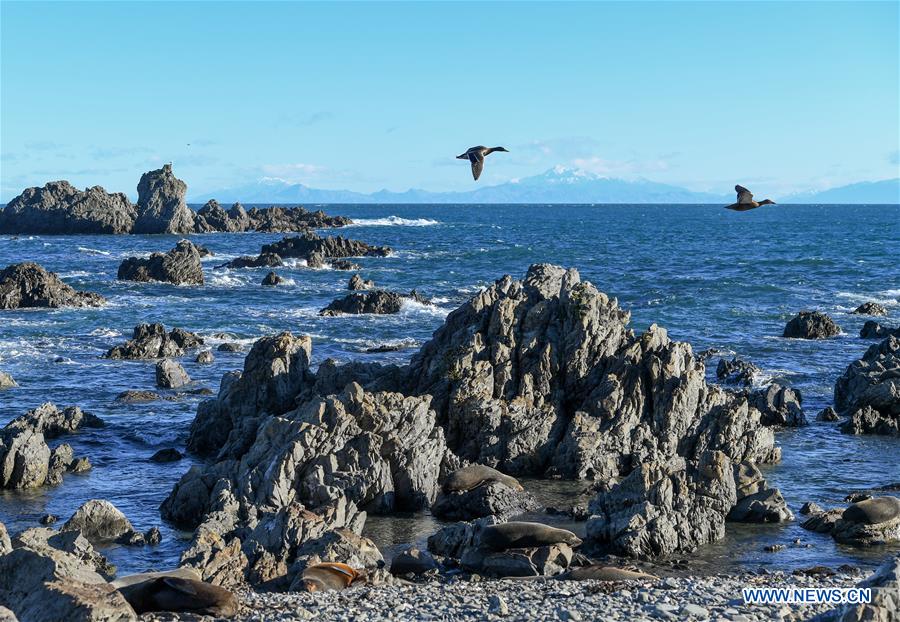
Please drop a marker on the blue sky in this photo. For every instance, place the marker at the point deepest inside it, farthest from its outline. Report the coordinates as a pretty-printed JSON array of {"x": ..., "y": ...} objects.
[{"x": 780, "y": 96}]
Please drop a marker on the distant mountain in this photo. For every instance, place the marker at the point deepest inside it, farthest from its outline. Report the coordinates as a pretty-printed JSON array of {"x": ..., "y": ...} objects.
[
  {"x": 557, "y": 185},
  {"x": 873, "y": 192}
]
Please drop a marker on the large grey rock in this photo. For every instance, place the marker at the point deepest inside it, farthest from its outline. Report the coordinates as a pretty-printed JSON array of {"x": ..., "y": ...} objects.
[
  {"x": 664, "y": 508},
  {"x": 60, "y": 208},
  {"x": 265, "y": 260},
  {"x": 379, "y": 302},
  {"x": 870, "y": 308},
  {"x": 180, "y": 266},
  {"x": 756, "y": 502},
  {"x": 357, "y": 283},
  {"x": 161, "y": 206},
  {"x": 811, "y": 325},
  {"x": 869, "y": 391},
  {"x": 28, "y": 285},
  {"x": 212, "y": 217},
  {"x": 99, "y": 520},
  {"x": 53, "y": 422},
  {"x": 72, "y": 542},
  {"x": 277, "y": 219},
  {"x": 171, "y": 375},
  {"x": 873, "y": 330},
  {"x": 151, "y": 341}
]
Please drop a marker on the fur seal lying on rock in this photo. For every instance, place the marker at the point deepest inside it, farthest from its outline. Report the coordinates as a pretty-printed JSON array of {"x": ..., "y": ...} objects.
[
  {"x": 329, "y": 576},
  {"x": 172, "y": 593},
  {"x": 873, "y": 511},
  {"x": 475, "y": 475},
  {"x": 518, "y": 535}
]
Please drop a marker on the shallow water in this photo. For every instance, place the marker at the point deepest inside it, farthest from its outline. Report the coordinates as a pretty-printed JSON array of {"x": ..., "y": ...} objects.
[{"x": 712, "y": 277}]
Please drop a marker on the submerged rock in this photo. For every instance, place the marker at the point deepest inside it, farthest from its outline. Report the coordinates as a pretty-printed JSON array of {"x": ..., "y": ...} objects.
[
  {"x": 272, "y": 280},
  {"x": 180, "y": 266},
  {"x": 137, "y": 396},
  {"x": 828, "y": 414},
  {"x": 811, "y": 325},
  {"x": 161, "y": 206},
  {"x": 870, "y": 308},
  {"x": 28, "y": 285},
  {"x": 343, "y": 264},
  {"x": 205, "y": 358},
  {"x": 167, "y": 455},
  {"x": 869, "y": 391},
  {"x": 60, "y": 208},
  {"x": 378, "y": 302},
  {"x": 151, "y": 341},
  {"x": 265, "y": 260}
]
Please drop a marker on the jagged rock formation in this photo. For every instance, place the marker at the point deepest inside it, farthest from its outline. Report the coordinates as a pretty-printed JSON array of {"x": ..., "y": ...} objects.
[
  {"x": 779, "y": 405},
  {"x": 358, "y": 283},
  {"x": 60, "y": 208},
  {"x": 811, "y": 325},
  {"x": 265, "y": 260},
  {"x": 151, "y": 341},
  {"x": 756, "y": 502},
  {"x": 736, "y": 371},
  {"x": 873, "y": 330},
  {"x": 180, "y": 266},
  {"x": 868, "y": 392},
  {"x": 336, "y": 247},
  {"x": 870, "y": 308},
  {"x": 171, "y": 375},
  {"x": 272, "y": 280},
  {"x": 27, "y": 285},
  {"x": 378, "y": 302},
  {"x": 161, "y": 206},
  {"x": 288, "y": 219},
  {"x": 26, "y": 461},
  {"x": 477, "y": 491},
  {"x": 536, "y": 377},
  {"x": 212, "y": 217},
  {"x": 7, "y": 381}
]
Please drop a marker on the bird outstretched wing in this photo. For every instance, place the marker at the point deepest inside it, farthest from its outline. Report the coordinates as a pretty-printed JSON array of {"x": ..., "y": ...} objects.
[
  {"x": 743, "y": 195},
  {"x": 477, "y": 160}
]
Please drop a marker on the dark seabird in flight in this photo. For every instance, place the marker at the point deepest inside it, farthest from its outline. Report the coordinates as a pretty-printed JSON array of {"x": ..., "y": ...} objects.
[
  {"x": 745, "y": 201},
  {"x": 475, "y": 155}
]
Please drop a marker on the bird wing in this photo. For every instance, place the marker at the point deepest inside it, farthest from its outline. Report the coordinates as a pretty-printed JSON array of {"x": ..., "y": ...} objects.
[
  {"x": 743, "y": 195},
  {"x": 477, "y": 160}
]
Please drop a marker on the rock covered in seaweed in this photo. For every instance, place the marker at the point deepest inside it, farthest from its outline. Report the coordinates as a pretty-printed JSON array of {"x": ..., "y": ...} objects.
[
  {"x": 28, "y": 285},
  {"x": 60, "y": 208},
  {"x": 180, "y": 266}
]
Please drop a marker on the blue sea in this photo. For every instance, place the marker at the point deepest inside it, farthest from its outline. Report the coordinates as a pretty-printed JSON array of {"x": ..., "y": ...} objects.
[{"x": 712, "y": 277}]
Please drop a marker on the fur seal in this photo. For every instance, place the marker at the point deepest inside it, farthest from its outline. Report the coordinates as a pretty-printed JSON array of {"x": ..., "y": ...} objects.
[
  {"x": 329, "y": 576},
  {"x": 179, "y": 595},
  {"x": 521, "y": 535},
  {"x": 873, "y": 511},
  {"x": 597, "y": 572},
  {"x": 475, "y": 475}
]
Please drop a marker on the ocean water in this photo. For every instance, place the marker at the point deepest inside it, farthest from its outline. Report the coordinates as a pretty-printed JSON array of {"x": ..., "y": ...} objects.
[{"x": 712, "y": 277}]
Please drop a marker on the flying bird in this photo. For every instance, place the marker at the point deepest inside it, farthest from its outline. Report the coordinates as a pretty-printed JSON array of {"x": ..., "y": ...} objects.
[
  {"x": 745, "y": 200},
  {"x": 475, "y": 155}
]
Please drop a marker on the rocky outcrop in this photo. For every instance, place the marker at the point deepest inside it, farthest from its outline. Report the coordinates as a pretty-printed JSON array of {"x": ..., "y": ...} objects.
[
  {"x": 811, "y": 325},
  {"x": 343, "y": 264},
  {"x": 265, "y": 260},
  {"x": 212, "y": 217},
  {"x": 736, "y": 371},
  {"x": 535, "y": 377},
  {"x": 171, "y": 375},
  {"x": 873, "y": 330},
  {"x": 161, "y": 206},
  {"x": 868, "y": 391},
  {"x": 151, "y": 341},
  {"x": 288, "y": 219},
  {"x": 99, "y": 521},
  {"x": 377, "y": 302},
  {"x": 358, "y": 283},
  {"x": 180, "y": 266},
  {"x": 28, "y": 285},
  {"x": 60, "y": 208},
  {"x": 49, "y": 576},
  {"x": 779, "y": 405},
  {"x": 335, "y": 247},
  {"x": 884, "y": 605},
  {"x": 26, "y": 461},
  {"x": 870, "y": 308}
]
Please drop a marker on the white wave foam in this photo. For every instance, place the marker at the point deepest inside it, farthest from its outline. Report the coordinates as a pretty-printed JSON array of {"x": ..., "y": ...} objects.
[
  {"x": 886, "y": 298},
  {"x": 294, "y": 262},
  {"x": 92, "y": 251},
  {"x": 105, "y": 332},
  {"x": 418, "y": 308},
  {"x": 74, "y": 274},
  {"x": 227, "y": 279},
  {"x": 394, "y": 221}
]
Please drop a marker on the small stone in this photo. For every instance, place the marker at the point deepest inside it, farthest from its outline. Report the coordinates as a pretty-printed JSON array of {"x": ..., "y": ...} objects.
[
  {"x": 774, "y": 548},
  {"x": 497, "y": 605},
  {"x": 48, "y": 519},
  {"x": 205, "y": 357},
  {"x": 569, "y": 614},
  {"x": 694, "y": 611},
  {"x": 670, "y": 583},
  {"x": 153, "y": 536}
]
